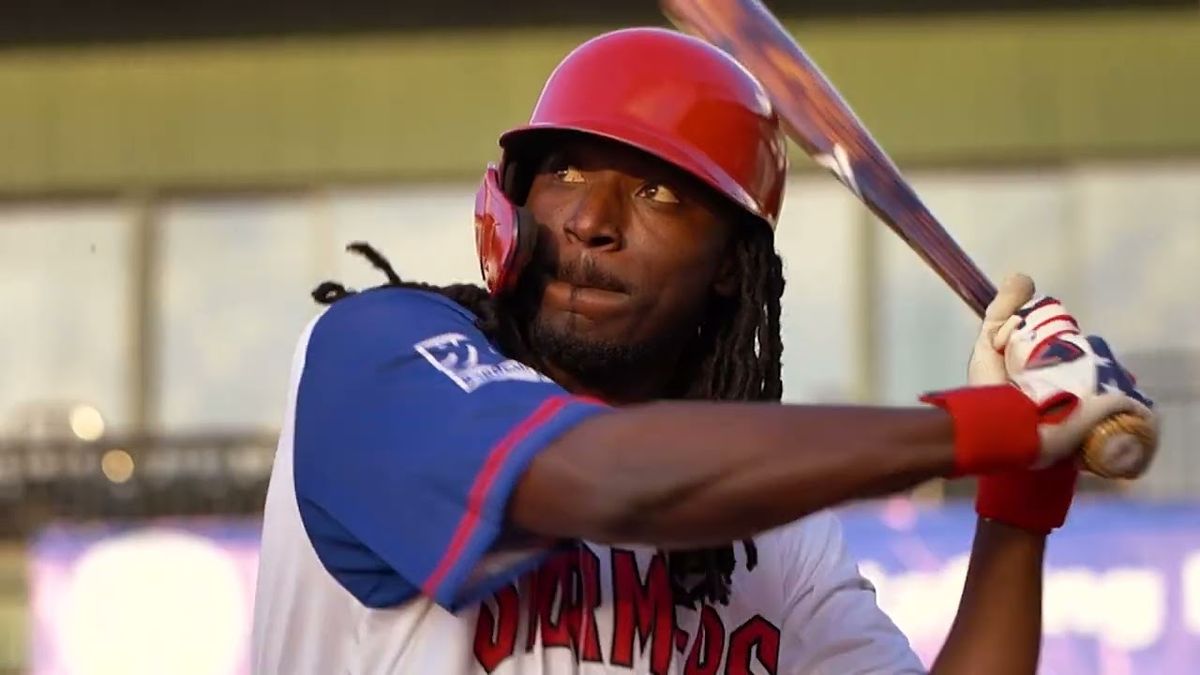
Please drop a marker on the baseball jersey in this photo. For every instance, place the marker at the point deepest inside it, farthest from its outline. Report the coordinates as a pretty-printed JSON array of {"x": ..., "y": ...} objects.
[{"x": 385, "y": 547}]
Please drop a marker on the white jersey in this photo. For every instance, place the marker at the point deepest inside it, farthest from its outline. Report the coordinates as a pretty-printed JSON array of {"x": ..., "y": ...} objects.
[{"x": 571, "y": 608}]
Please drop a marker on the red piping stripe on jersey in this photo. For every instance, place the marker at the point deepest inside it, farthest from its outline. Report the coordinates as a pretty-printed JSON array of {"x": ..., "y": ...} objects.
[{"x": 482, "y": 485}]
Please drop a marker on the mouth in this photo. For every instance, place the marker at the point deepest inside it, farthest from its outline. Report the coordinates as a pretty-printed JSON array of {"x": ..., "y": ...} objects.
[
  {"x": 585, "y": 290},
  {"x": 585, "y": 275},
  {"x": 586, "y": 285}
]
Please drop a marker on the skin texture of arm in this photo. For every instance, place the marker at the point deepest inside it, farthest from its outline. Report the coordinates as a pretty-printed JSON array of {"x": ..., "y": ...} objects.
[
  {"x": 685, "y": 474},
  {"x": 999, "y": 622}
]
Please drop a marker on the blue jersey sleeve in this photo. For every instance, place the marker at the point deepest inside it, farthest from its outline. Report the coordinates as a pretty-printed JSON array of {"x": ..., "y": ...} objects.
[{"x": 410, "y": 433}]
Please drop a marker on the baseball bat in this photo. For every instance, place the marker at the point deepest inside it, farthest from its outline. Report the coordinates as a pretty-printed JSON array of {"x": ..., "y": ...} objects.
[{"x": 816, "y": 117}]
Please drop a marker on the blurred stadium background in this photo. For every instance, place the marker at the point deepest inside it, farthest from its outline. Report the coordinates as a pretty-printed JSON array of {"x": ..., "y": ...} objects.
[{"x": 175, "y": 177}]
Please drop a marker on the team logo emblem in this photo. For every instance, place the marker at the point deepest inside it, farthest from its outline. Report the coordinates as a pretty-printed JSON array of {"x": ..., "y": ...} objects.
[{"x": 470, "y": 365}]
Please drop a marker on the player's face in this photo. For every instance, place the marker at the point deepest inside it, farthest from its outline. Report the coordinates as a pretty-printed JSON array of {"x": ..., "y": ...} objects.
[{"x": 630, "y": 252}]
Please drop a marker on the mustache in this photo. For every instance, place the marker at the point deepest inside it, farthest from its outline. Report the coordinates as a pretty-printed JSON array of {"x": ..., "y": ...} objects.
[{"x": 587, "y": 273}]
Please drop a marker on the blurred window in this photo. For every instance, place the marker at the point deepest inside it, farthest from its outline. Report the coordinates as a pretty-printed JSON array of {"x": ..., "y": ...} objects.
[{"x": 66, "y": 320}]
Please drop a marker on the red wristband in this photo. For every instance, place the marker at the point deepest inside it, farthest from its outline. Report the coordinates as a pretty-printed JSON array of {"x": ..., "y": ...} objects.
[
  {"x": 1036, "y": 501},
  {"x": 995, "y": 428}
]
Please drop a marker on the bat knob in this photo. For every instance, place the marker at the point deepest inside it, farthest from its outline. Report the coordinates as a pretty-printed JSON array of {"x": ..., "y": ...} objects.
[{"x": 1121, "y": 446}]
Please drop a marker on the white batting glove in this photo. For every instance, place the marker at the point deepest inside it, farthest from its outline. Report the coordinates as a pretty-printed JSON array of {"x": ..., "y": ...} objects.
[{"x": 1074, "y": 377}]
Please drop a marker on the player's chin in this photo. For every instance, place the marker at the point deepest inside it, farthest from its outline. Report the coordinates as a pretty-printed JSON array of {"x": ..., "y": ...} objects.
[
  {"x": 573, "y": 322},
  {"x": 577, "y": 323}
]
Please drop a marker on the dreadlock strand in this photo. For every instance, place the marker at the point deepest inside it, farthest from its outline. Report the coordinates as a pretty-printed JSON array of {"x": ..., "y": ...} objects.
[
  {"x": 377, "y": 260},
  {"x": 769, "y": 343},
  {"x": 330, "y": 292},
  {"x": 497, "y": 325},
  {"x": 751, "y": 553},
  {"x": 743, "y": 368},
  {"x": 771, "y": 333}
]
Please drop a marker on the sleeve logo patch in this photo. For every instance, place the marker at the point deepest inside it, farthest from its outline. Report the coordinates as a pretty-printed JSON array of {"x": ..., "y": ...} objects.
[{"x": 471, "y": 366}]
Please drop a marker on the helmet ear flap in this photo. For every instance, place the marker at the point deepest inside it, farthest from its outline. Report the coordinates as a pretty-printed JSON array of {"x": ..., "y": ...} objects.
[{"x": 505, "y": 234}]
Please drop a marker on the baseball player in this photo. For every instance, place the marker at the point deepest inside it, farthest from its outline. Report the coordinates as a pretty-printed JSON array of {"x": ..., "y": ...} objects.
[{"x": 585, "y": 467}]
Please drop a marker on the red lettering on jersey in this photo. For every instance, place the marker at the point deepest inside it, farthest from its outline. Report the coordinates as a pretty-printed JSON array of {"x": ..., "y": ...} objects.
[
  {"x": 758, "y": 636},
  {"x": 647, "y": 607},
  {"x": 708, "y": 646},
  {"x": 495, "y": 638},
  {"x": 534, "y": 592},
  {"x": 580, "y": 616},
  {"x": 552, "y": 592},
  {"x": 564, "y": 596}
]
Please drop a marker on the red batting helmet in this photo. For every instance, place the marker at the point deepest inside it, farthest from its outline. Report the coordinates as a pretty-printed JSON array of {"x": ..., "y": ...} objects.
[{"x": 666, "y": 93}]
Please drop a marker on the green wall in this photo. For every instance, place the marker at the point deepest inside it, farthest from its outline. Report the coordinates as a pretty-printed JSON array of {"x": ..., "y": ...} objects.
[{"x": 291, "y": 112}]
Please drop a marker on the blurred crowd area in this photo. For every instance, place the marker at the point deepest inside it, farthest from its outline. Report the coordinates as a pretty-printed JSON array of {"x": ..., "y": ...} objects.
[{"x": 172, "y": 187}]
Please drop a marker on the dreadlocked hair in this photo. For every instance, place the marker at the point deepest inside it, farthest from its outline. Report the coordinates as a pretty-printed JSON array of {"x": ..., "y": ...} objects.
[
  {"x": 736, "y": 357},
  {"x": 498, "y": 326}
]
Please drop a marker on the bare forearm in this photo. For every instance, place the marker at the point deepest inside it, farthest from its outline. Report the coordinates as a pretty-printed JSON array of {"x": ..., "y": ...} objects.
[
  {"x": 693, "y": 474},
  {"x": 999, "y": 622}
]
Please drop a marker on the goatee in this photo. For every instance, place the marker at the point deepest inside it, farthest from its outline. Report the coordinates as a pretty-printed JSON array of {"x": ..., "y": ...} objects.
[{"x": 597, "y": 363}]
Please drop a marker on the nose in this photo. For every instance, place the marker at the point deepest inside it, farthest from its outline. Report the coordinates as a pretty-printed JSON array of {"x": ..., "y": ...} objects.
[{"x": 595, "y": 220}]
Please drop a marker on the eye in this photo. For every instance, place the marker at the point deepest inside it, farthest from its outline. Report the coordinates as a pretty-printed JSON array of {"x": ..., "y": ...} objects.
[
  {"x": 659, "y": 193},
  {"x": 566, "y": 173}
]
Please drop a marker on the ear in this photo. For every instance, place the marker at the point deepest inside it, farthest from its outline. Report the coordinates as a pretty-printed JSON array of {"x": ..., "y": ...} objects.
[{"x": 725, "y": 283}]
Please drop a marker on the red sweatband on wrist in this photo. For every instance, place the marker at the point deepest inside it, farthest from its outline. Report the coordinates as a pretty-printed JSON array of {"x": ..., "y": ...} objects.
[
  {"x": 1037, "y": 501},
  {"x": 995, "y": 428}
]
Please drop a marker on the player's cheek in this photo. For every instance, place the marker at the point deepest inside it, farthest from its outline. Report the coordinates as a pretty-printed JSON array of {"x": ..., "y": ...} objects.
[{"x": 673, "y": 311}]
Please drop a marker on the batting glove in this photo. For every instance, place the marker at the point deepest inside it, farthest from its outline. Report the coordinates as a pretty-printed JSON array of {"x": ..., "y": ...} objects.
[{"x": 1074, "y": 381}]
